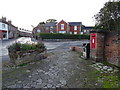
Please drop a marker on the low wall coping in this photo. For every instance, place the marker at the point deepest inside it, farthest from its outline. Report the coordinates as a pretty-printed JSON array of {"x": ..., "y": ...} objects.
[{"x": 99, "y": 31}]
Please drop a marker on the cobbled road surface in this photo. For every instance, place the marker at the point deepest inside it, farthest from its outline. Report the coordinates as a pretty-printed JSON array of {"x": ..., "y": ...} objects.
[{"x": 62, "y": 68}]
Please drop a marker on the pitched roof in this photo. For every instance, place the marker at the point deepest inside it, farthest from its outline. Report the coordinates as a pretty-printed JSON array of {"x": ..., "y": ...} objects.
[
  {"x": 88, "y": 27},
  {"x": 50, "y": 24},
  {"x": 75, "y": 23}
]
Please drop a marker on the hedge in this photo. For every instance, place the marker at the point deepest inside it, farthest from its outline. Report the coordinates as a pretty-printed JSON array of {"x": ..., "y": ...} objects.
[{"x": 62, "y": 36}]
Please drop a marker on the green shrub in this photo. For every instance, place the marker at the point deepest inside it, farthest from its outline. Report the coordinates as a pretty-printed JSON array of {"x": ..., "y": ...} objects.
[
  {"x": 62, "y": 36},
  {"x": 24, "y": 47}
]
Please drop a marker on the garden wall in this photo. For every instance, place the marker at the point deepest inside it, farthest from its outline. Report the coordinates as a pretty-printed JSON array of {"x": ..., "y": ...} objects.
[
  {"x": 107, "y": 46},
  {"x": 112, "y": 48}
]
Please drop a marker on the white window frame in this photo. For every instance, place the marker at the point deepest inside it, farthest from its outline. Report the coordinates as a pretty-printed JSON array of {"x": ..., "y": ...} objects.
[
  {"x": 75, "y": 27},
  {"x": 3, "y": 26},
  {"x": 62, "y": 32},
  {"x": 70, "y": 32},
  {"x": 62, "y": 26},
  {"x": 85, "y": 31},
  {"x": 51, "y": 26},
  {"x": 75, "y": 32}
]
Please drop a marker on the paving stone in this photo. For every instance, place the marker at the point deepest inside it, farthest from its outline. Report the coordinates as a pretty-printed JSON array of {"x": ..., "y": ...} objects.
[
  {"x": 105, "y": 67},
  {"x": 63, "y": 81},
  {"x": 38, "y": 85},
  {"x": 49, "y": 85},
  {"x": 27, "y": 70},
  {"x": 39, "y": 70},
  {"x": 110, "y": 69},
  {"x": 26, "y": 87},
  {"x": 63, "y": 69},
  {"x": 19, "y": 85},
  {"x": 43, "y": 84},
  {"x": 100, "y": 80},
  {"x": 19, "y": 81},
  {"x": 29, "y": 76},
  {"x": 12, "y": 86},
  {"x": 100, "y": 66},
  {"x": 39, "y": 81}
]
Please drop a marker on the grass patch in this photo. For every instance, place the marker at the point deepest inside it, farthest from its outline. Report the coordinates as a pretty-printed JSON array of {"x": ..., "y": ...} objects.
[
  {"x": 25, "y": 47},
  {"x": 111, "y": 81},
  {"x": 24, "y": 64},
  {"x": 108, "y": 80}
]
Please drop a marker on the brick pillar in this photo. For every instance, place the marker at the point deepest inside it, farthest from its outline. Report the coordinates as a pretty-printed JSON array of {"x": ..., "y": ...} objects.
[
  {"x": 100, "y": 46},
  {"x": 97, "y": 51}
]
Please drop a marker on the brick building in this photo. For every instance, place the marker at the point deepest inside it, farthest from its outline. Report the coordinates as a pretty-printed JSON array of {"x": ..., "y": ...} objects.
[
  {"x": 12, "y": 30},
  {"x": 62, "y": 27},
  {"x": 51, "y": 27},
  {"x": 75, "y": 27},
  {"x": 3, "y": 29},
  {"x": 87, "y": 29},
  {"x": 58, "y": 27},
  {"x": 40, "y": 28},
  {"x": 7, "y": 29}
]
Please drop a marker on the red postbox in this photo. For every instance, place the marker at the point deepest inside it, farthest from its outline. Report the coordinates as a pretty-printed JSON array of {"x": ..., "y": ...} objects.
[{"x": 93, "y": 40}]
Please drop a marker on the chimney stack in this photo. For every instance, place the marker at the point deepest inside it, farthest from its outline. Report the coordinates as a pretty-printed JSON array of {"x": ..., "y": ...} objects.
[
  {"x": 4, "y": 19},
  {"x": 9, "y": 21}
]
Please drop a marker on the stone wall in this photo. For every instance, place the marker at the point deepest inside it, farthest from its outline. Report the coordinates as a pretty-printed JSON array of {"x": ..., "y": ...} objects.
[{"x": 26, "y": 57}]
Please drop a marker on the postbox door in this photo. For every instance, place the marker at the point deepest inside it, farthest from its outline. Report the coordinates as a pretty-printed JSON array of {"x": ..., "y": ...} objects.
[{"x": 93, "y": 40}]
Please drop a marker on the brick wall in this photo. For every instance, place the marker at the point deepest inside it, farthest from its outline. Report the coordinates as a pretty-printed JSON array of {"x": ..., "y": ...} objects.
[
  {"x": 112, "y": 48},
  {"x": 1, "y": 36},
  {"x": 107, "y": 47}
]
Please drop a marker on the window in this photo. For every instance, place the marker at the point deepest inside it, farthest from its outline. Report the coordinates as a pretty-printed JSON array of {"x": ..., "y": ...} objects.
[
  {"x": 38, "y": 30},
  {"x": 3, "y": 25},
  {"x": 81, "y": 33},
  {"x": 85, "y": 31},
  {"x": 75, "y": 32},
  {"x": 47, "y": 28},
  {"x": 70, "y": 32},
  {"x": 51, "y": 31},
  {"x": 62, "y": 31},
  {"x": 51, "y": 26},
  {"x": 62, "y": 26},
  {"x": 75, "y": 27}
]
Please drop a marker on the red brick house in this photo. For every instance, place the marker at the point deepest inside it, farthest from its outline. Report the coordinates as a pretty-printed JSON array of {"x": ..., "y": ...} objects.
[
  {"x": 39, "y": 29},
  {"x": 51, "y": 27},
  {"x": 62, "y": 27},
  {"x": 75, "y": 27}
]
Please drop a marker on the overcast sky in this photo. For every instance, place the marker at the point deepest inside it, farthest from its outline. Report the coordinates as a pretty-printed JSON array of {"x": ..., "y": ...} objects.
[{"x": 25, "y": 13}]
